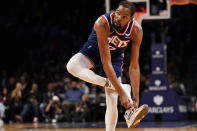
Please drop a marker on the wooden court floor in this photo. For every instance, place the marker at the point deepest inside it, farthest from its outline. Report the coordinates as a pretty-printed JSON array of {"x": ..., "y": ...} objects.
[{"x": 46, "y": 127}]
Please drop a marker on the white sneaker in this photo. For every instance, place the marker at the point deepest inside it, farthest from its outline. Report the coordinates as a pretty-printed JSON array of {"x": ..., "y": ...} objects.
[{"x": 134, "y": 116}]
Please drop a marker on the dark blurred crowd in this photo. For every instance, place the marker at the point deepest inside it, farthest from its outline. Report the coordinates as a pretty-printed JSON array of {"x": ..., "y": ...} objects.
[
  {"x": 26, "y": 97},
  {"x": 39, "y": 37}
]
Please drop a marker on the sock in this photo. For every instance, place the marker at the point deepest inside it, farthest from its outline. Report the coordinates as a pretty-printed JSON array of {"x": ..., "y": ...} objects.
[{"x": 111, "y": 115}]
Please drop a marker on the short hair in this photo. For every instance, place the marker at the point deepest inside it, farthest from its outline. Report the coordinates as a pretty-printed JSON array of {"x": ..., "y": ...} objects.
[{"x": 129, "y": 5}]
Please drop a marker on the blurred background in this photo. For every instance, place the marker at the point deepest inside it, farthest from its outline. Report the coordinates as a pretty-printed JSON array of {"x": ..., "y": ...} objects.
[{"x": 38, "y": 37}]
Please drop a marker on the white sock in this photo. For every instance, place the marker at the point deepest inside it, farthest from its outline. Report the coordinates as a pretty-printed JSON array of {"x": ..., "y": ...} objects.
[
  {"x": 127, "y": 89},
  {"x": 79, "y": 66},
  {"x": 111, "y": 115}
]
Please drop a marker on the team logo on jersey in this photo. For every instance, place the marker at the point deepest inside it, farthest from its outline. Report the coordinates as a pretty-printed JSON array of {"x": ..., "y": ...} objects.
[
  {"x": 117, "y": 42},
  {"x": 127, "y": 35}
]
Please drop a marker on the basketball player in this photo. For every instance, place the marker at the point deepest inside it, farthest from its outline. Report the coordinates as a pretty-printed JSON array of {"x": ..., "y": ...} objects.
[{"x": 111, "y": 34}]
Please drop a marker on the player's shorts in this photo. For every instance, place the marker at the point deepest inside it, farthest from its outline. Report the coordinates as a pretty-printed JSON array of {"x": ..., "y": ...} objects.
[{"x": 92, "y": 52}]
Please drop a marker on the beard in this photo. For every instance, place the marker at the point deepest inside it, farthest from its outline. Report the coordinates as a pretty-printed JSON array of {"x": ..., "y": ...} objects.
[{"x": 116, "y": 27}]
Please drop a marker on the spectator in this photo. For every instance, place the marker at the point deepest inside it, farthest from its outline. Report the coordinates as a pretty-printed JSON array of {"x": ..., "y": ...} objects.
[
  {"x": 33, "y": 98},
  {"x": 82, "y": 111},
  {"x": 83, "y": 86},
  {"x": 53, "y": 110},
  {"x": 5, "y": 99},
  {"x": 2, "y": 112},
  {"x": 25, "y": 86},
  {"x": 47, "y": 96},
  {"x": 46, "y": 99},
  {"x": 16, "y": 100},
  {"x": 71, "y": 98}
]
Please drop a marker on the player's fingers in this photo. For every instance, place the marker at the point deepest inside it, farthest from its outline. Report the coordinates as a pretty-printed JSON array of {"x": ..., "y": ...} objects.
[
  {"x": 135, "y": 104},
  {"x": 124, "y": 104},
  {"x": 129, "y": 105}
]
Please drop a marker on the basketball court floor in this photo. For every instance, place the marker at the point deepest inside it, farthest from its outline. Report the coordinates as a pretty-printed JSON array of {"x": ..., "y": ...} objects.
[{"x": 121, "y": 126}]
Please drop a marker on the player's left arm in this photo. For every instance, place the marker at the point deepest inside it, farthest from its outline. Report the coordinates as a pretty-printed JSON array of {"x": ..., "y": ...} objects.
[{"x": 134, "y": 69}]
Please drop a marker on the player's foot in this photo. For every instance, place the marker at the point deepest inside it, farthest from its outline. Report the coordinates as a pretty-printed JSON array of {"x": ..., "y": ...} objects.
[{"x": 133, "y": 116}]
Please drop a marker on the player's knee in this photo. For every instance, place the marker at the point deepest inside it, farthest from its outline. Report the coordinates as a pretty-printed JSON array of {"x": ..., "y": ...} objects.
[
  {"x": 69, "y": 67},
  {"x": 111, "y": 102}
]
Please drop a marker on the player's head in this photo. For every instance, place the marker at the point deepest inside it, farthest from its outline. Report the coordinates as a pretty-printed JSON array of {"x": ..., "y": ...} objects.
[{"x": 123, "y": 14}]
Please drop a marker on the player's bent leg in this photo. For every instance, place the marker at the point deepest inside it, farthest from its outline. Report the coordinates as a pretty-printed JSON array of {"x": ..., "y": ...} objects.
[
  {"x": 111, "y": 115},
  {"x": 79, "y": 66},
  {"x": 78, "y": 60}
]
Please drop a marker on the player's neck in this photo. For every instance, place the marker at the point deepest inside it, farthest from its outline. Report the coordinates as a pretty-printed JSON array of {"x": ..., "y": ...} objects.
[{"x": 119, "y": 29}]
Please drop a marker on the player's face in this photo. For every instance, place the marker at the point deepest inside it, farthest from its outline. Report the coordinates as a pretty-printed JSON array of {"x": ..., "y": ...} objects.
[{"x": 122, "y": 17}]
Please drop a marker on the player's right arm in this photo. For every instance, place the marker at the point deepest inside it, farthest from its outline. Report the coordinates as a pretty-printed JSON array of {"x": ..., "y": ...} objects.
[{"x": 103, "y": 32}]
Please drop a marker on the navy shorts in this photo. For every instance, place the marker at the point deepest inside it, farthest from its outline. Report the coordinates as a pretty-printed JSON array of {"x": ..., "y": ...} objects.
[{"x": 92, "y": 52}]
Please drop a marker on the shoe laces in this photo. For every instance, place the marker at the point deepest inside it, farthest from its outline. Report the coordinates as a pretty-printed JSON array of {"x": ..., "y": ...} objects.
[{"x": 129, "y": 113}]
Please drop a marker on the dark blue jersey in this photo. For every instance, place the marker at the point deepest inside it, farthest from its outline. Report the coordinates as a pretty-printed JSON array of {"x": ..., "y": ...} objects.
[{"x": 117, "y": 41}]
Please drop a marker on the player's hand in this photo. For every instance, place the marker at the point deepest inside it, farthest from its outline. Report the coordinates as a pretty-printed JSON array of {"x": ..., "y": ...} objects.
[
  {"x": 125, "y": 101},
  {"x": 136, "y": 103}
]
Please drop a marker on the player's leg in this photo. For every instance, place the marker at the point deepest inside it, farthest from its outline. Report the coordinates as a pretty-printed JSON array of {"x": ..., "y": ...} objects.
[
  {"x": 80, "y": 66},
  {"x": 111, "y": 114}
]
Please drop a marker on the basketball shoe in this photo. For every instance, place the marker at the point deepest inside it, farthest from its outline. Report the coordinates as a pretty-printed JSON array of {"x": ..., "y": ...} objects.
[{"x": 133, "y": 116}]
